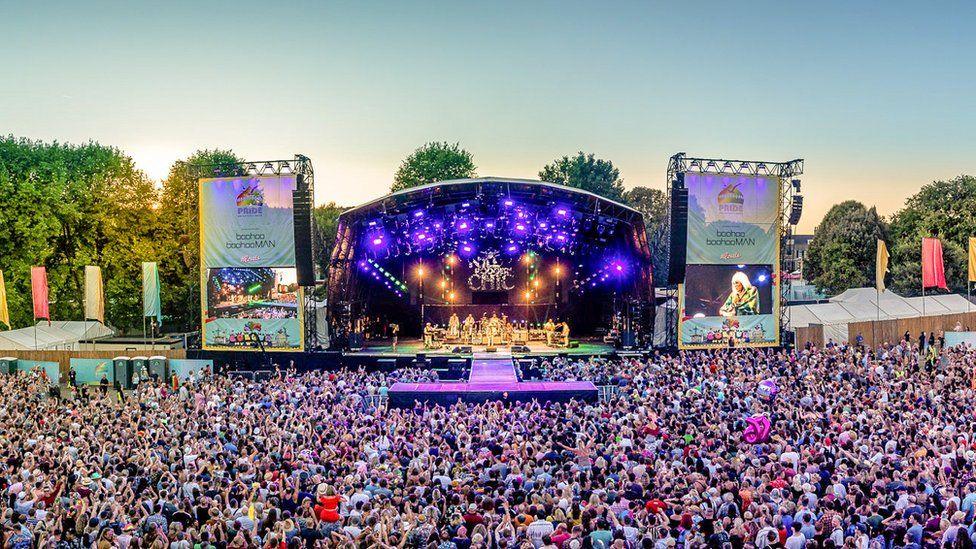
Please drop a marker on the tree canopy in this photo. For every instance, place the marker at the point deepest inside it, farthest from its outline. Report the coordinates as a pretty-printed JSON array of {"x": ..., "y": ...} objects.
[
  {"x": 67, "y": 206},
  {"x": 584, "y": 171},
  {"x": 844, "y": 246},
  {"x": 435, "y": 161},
  {"x": 942, "y": 209}
]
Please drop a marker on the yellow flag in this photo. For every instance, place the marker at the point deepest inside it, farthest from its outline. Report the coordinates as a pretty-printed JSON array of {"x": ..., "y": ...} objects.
[
  {"x": 94, "y": 294},
  {"x": 881, "y": 266},
  {"x": 972, "y": 259},
  {"x": 4, "y": 313}
]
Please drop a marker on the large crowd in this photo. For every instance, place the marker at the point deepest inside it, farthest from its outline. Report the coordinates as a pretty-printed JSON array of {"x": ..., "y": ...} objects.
[{"x": 869, "y": 448}]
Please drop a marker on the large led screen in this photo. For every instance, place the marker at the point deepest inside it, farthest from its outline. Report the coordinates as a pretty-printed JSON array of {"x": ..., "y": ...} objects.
[
  {"x": 247, "y": 256},
  {"x": 732, "y": 289}
]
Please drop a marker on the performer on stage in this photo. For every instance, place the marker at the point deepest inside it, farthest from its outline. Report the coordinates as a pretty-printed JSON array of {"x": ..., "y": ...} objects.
[
  {"x": 428, "y": 336},
  {"x": 453, "y": 327},
  {"x": 469, "y": 328},
  {"x": 494, "y": 329},
  {"x": 550, "y": 331},
  {"x": 564, "y": 333}
]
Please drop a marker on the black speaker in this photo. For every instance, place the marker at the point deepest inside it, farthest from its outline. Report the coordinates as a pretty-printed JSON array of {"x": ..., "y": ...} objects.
[
  {"x": 573, "y": 344},
  {"x": 796, "y": 210},
  {"x": 304, "y": 260},
  {"x": 356, "y": 341},
  {"x": 679, "y": 232}
]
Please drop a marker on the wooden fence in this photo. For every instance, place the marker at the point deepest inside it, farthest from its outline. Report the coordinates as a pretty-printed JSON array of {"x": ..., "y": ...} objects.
[{"x": 876, "y": 332}]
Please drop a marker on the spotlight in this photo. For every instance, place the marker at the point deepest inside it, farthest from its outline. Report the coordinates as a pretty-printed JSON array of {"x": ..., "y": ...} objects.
[
  {"x": 527, "y": 259},
  {"x": 451, "y": 296},
  {"x": 557, "y": 270},
  {"x": 421, "y": 271},
  {"x": 443, "y": 284},
  {"x": 451, "y": 260},
  {"x": 528, "y": 295}
]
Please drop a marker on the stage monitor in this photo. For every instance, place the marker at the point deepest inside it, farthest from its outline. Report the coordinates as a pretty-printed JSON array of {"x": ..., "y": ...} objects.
[
  {"x": 731, "y": 294},
  {"x": 249, "y": 292}
]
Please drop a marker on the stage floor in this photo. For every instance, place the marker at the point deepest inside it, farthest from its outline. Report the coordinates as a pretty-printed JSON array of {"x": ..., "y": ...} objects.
[{"x": 413, "y": 347}]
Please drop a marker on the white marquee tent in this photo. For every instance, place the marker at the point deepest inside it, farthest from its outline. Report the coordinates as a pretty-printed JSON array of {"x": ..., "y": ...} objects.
[
  {"x": 56, "y": 335},
  {"x": 865, "y": 304}
]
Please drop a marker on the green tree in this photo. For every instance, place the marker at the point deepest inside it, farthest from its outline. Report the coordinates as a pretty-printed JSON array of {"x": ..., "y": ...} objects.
[
  {"x": 326, "y": 218},
  {"x": 842, "y": 252},
  {"x": 433, "y": 162},
  {"x": 653, "y": 204},
  {"x": 583, "y": 171},
  {"x": 942, "y": 209},
  {"x": 179, "y": 236},
  {"x": 66, "y": 206}
]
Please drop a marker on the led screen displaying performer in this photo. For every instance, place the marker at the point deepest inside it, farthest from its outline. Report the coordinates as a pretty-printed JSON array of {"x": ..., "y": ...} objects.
[
  {"x": 731, "y": 291},
  {"x": 261, "y": 292},
  {"x": 723, "y": 302},
  {"x": 247, "y": 255},
  {"x": 744, "y": 298}
]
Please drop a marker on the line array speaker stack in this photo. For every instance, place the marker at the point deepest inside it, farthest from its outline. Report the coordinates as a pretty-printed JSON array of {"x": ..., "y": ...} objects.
[
  {"x": 796, "y": 209},
  {"x": 304, "y": 262},
  {"x": 679, "y": 231}
]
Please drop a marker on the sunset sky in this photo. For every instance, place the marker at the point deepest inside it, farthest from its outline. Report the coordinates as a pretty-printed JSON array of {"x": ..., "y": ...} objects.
[{"x": 878, "y": 97}]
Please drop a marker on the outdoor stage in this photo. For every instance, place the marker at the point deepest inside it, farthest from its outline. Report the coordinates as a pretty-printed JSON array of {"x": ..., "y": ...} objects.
[{"x": 492, "y": 377}]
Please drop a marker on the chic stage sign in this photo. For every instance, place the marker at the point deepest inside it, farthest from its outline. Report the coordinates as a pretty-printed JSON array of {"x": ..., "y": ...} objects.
[{"x": 488, "y": 275}]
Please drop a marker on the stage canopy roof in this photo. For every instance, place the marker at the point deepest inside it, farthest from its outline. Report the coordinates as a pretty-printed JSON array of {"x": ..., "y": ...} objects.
[{"x": 508, "y": 216}]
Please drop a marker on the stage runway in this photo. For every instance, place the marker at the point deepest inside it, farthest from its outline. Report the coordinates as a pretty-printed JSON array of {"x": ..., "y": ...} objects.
[{"x": 492, "y": 377}]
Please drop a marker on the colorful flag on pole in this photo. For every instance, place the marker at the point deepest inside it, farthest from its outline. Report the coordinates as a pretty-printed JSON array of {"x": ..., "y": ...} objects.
[
  {"x": 4, "y": 312},
  {"x": 972, "y": 259},
  {"x": 881, "y": 266},
  {"x": 94, "y": 294},
  {"x": 150, "y": 291},
  {"x": 39, "y": 293},
  {"x": 933, "y": 269}
]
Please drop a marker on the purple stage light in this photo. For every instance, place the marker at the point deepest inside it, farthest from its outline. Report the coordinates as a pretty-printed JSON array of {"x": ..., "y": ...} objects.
[
  {"x": 511, "y": 249},
  {"x": 520, "y": 227},
  {"x": 507, "y": 202},
  {"x": 418, "y": 213},
  {"x": 562, "y": 212}
]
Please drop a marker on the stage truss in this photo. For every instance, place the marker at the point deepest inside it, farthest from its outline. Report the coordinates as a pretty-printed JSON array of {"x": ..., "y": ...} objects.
[
  {"x": 299, "y": 166},
  {"x": 787, "y": 173}
]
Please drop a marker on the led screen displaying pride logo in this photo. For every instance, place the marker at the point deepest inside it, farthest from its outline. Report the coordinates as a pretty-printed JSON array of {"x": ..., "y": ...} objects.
[
  {"x": 731, "y": 289},
  {"x": 250, "y": 296}
]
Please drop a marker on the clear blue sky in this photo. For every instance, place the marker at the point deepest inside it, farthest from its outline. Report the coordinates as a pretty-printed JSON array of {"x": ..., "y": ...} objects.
[{"x": 878, "y": 97}]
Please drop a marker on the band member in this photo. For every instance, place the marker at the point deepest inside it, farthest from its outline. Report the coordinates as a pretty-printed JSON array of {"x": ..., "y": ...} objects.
[
  {"x": 550, "y": 331},
  {"x": 395, "y": 330},
  {"x": 428, "y": 336},
  {"x": 744, "y": 299},
  {"x": 469, "y": 328},
  {"x": 454, "y": 327},
  {"x": 494, "y": 329},
  {"x": 564, "y": 333}
]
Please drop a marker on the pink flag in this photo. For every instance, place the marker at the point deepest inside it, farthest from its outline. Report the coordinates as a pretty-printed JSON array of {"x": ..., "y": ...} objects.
[
  {"x": 39, "y": 292},
  {"x": 933, "y": 270}
]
